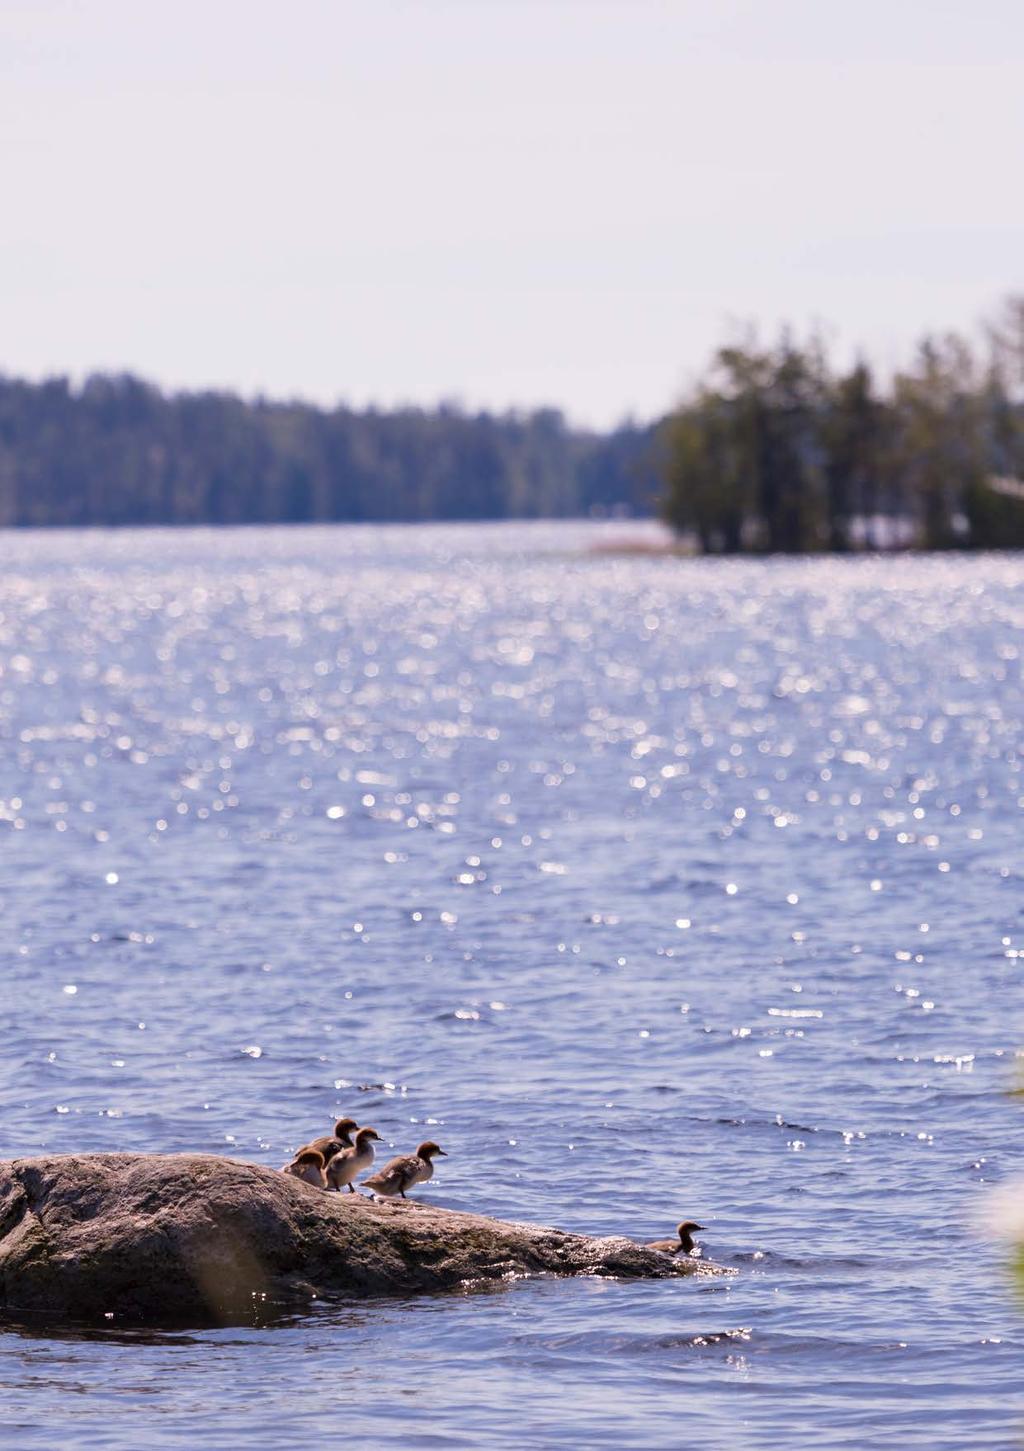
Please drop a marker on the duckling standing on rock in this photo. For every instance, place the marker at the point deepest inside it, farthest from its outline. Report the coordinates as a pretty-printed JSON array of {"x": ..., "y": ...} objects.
[
  {"x": 684, "y": 1245},
  {"x": 329, "y": 1145},
  {"x": 308, "y": 1165},
  {"x": 405, "y": 1172},
  {"x": 344, "y": 1167}
]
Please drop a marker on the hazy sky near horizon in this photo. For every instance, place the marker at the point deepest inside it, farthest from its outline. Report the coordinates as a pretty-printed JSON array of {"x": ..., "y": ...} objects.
[{"x": 506, "y": 202}]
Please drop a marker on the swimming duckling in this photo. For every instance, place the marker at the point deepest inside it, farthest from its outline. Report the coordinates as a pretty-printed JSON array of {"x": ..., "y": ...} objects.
[
  {"x": 406, "y": 1171},
  {"x": 344, "y": 1167},
  {"x": 308, "y": 1165},
  {"x": 329, "y": 1144},
  {"x": 684, "y": 1245}
]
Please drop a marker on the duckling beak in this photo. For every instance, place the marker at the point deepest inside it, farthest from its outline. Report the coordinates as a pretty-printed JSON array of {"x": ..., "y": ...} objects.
[
  {"x": 696, "y": 1226},
  {"x": 442, "y": 1153}
]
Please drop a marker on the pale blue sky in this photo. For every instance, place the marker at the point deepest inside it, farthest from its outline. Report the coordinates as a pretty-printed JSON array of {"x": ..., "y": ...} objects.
[{"x": 505, "y": 201}]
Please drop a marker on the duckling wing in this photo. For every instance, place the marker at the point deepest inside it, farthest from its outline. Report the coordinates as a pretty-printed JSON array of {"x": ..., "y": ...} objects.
[
  {"x": 327, "y": 1145},
  {"x": 339, "y": 1170},
  {"x": 397, "y": 1175},
  {"x": 666, "y": 1246}
]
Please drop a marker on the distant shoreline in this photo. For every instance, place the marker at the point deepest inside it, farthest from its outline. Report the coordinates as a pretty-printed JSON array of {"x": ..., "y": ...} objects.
[{"x": 119, "y": 451}]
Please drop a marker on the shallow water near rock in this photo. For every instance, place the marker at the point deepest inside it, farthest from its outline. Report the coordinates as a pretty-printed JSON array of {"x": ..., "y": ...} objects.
[{"x": 650, "y": 888}]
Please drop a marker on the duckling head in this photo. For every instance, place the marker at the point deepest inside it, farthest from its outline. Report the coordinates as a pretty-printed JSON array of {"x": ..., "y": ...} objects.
[
  {"x": 344, "y": 1129},
  {"x": 364, "y": 1136},
  {"x": 310, "y": 1156},
  {"x": 428, "y": 1149},
  {"x": 687, "y": 1227}
]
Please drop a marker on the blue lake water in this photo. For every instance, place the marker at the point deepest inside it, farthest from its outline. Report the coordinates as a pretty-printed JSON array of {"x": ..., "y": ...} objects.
[{"x": 655, "y": 888}]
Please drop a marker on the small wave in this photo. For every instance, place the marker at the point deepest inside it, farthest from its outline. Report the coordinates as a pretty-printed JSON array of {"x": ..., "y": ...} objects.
[{"x": 770, "y": 1259}]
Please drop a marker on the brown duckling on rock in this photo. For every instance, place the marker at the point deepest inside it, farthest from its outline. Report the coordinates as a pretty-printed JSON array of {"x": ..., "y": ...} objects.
[
  {"x": 406, "y": 1171},
  {"x": 684, "y": 1245},
  {"x": 308, "y": 1165},
  {"x": 343, "y": 1168},
  {"x": 331, "y": 1144}
]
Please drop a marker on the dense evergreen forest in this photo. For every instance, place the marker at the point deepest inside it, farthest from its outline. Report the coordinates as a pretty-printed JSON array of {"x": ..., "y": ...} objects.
[
  {"x": 777, "y": 451},
  {"x": 120, "y": 451}
]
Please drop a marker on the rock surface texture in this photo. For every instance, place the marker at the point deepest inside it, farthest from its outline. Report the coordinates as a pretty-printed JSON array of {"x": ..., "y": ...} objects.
[{"x": 191, "y": 1238}]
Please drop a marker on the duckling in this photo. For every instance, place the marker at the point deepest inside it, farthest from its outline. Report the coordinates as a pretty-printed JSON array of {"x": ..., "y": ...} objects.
[
  {"x": 406, "y": 1171},
  {"x": 329, "y": 1144},
  {"x": 684, "y": 1245},
  {"x": 308, "y": 1165},
  {"x": 343, "y": 1167}
]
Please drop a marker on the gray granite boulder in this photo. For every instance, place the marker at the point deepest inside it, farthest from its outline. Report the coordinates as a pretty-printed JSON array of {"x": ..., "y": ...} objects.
[{"x": 196, "y": 1239}]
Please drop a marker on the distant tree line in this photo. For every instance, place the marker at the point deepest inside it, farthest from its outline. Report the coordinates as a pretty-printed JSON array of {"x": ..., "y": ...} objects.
[
  {"x": 777, "y": 451},
  {"x": 118, "y": 450}
]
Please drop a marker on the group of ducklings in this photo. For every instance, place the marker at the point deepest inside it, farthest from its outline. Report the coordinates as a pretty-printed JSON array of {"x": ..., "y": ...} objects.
[{"x": 336, "y": 1160}]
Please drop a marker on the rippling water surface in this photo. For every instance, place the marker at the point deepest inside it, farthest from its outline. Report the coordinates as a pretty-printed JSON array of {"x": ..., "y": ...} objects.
[{"x": 656, "y": 888}]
